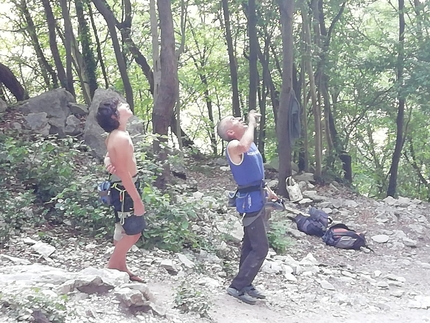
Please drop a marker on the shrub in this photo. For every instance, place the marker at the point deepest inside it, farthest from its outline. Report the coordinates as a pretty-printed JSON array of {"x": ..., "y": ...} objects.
[
  {"x": 189, "y": 299},
  {"x": 24, "y": 305},
  {"x": 277, "y": 237}
]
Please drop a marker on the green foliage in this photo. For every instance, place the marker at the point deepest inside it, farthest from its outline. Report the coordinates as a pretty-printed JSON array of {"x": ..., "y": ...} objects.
[
  {"x": 278, "y": 239},
  {"x": 169, "y": 225},
  {"x": 42, "y": 164},
  {"x": 188, "y": 299},
  {"x": 33, "y": 300},
  {"x": 16, "y": 212},
  {"x": 51, "y": 180},
  {"x": 45, "y": 181}
]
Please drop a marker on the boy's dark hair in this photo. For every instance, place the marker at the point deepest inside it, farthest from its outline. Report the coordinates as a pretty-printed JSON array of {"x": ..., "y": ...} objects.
[{"x": 106, "y": 110}]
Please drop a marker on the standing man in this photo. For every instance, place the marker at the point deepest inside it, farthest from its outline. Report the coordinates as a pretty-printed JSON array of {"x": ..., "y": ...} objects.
[
  {"x": 246, "y": 164},
  {"x": 112, "y": 116}
]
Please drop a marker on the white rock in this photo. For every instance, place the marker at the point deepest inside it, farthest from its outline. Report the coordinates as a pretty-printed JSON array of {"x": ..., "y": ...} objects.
[
  {"x": 198, "y": 195},
  {"x": 326, "y": 285},
  {"x": 290, "y": 277},
  {"x": 209, "y": 282},
  {"x": 169, "y": 265},
  {"x": 309, "y": 260},
  {"x": 16, "y": 260},
  {"x": 185, "y": 261},
  {"x": 410, "y": 243},
  {"x": 380, "y": 238},
  {"x": 43, "y": 249},
  {"x": 29, "y": 241}
]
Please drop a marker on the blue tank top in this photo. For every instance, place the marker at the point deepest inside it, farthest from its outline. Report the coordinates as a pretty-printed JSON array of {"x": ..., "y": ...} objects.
[{"x": 249, "y": 172}]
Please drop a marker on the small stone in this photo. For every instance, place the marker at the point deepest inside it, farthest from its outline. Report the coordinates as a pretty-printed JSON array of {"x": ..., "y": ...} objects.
[{"x": 380, "y": 238}]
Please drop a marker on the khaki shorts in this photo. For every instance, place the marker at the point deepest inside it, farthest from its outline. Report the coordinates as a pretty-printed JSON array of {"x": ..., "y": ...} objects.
[{"x": 119, "y": 233}]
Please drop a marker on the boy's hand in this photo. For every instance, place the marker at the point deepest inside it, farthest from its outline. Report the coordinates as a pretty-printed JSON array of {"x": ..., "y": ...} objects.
[
  {"x": 139, "y": 209},
  {"x": 111, "y": 169}
]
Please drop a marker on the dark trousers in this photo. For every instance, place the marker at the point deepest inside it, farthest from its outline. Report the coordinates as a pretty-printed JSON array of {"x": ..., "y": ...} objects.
[{"x": 254, "y": 250}]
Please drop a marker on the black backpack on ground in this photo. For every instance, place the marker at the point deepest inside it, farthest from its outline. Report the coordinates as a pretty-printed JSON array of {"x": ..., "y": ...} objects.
[
  {"x": 315, "y": 224},
  {"x": 340, "y": 236}
]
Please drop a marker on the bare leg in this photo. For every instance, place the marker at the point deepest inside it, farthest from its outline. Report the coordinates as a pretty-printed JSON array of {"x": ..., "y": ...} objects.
[{"x": 118, "y": 257}]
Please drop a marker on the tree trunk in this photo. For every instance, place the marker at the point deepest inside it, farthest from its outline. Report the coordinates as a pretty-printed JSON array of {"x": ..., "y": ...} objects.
[
  {"x": 392, "y": 184},
  {"x": 68, "y": 35},
  {"x": 98, "y": 46},
  {"x": 90, "y": 66},
  {"x": 199, "y": 63},
  {"x": 45, "y": 68},
  {"x": 10, "y": 81},
  {"x": 315, "y": 107},
  {"x": 53, "y": 43},
  {"x": 253, "y": 52},
  {"x": 111, "y": 22},
  {"x": 155, "y": 50},
  {"x": 163, "y": 110},
  {"x": 231, "y": 61},
  {"x": 282, "y": 129}
]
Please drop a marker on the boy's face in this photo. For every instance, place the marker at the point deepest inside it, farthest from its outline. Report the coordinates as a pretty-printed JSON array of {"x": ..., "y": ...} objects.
[{"x": 124, "y": 112}]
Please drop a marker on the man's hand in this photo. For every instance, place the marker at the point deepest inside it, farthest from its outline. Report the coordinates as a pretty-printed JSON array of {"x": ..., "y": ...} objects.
[
  {"x": 253, "y": 118},
  {"x": 139, "y": 208},
  {"x": 270, "y": 194}
]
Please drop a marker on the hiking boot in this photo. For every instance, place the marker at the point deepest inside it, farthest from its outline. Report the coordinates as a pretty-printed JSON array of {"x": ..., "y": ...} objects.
[
  {"x": 251, "y": 291},
  {"x": 243, "y": 296}
]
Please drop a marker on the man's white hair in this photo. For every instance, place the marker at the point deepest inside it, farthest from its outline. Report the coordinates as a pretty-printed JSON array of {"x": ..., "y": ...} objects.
[{"x": 222, "y": 128}]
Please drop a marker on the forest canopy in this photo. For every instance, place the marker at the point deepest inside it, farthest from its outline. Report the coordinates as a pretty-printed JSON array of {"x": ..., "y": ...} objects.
[{"x": 359, "y": 70}]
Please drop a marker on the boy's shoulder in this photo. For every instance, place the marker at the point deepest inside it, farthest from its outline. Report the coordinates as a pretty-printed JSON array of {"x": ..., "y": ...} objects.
[{"x": 118, "y": 137}]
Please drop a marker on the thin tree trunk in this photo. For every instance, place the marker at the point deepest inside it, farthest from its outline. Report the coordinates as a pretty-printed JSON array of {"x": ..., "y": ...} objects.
[
  {"x": 162, "y": 113},
  {"x": 231, "y": 61},
  {"x": 253, "y": 52},
  {"x": 282, "y": 129},
  {"x": 53, "y": 43},
  {"x": 45, "y": 68},
  {"x": 155, "y": 50},
  {"x": 68, "y": 45},
  {"x": 179, "y": 51},
  {"x": 111, "y": 22},
  {"x": 87, "y": 47},
  {"x": 79, "y": 65},
  {"x": 315, "y": 107},
  {"x": 392, "y": 184},
  {"x": 304, "y": 153},
  {"x": 199, "y": 63},
  {"x": 98, "y": 46}
]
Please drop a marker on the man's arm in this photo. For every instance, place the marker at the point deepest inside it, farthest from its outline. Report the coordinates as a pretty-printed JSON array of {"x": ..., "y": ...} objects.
[
  {"x": 123, "y": 155},
  {"x": 238, "y": 147}
]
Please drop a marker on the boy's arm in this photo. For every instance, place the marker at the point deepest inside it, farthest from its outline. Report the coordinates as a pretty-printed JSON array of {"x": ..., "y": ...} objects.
[{"x": 108, "y": 164}]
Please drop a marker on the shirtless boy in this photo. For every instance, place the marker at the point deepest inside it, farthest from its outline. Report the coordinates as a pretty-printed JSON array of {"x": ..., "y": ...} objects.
[{"x": 112, "y": 116}]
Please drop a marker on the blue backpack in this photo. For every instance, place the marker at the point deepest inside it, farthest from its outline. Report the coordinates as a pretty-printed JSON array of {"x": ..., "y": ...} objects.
[
  {"x": 315, "y": 224},
  {"x": 104, "y": 192},
  {"x": 340, "y": 236}
]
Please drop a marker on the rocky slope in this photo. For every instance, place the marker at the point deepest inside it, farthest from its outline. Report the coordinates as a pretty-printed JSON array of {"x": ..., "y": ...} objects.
[{"x": 52, "y": 275}]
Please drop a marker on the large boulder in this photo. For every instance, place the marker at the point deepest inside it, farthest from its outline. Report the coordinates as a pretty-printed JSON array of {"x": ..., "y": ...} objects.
[
  {"x": 94, "y": 135},
  {"x": 55, "y": 104}
]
